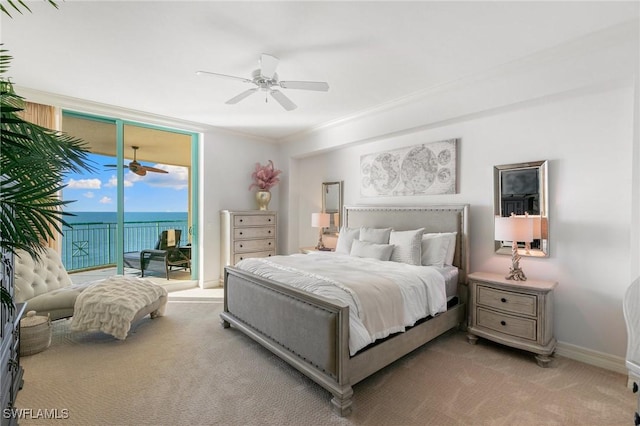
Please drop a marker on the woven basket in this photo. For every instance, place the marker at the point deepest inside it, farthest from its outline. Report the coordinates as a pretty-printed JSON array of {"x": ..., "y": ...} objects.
[{"x": 35, "y": 334}]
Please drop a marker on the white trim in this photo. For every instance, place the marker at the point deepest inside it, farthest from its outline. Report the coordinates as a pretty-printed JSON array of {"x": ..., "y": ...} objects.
[{"x": 591, "y": 357}]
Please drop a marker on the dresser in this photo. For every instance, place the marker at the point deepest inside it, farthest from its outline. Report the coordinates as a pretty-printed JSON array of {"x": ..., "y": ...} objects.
[
  {"x": 10, "y": 369},
  {"x": 246, "y": 234},
  {"x": 514, "y": 313}
]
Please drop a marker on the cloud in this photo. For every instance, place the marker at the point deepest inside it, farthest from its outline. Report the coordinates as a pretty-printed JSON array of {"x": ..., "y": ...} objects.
[
  {"x": 84, "y": 184},
  {"x": 89, "y": 194},
  {"x": 177, "y": 177},
  {"x": 113, "y": 181},
  {"x": 105, "y": 200}
]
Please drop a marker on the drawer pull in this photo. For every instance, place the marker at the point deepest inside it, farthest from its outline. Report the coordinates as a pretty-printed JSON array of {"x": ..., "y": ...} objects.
[
  {"x": 241, "y": 220},
  {"x": 241, "y": 246},
  {"x": 269, "y": 254},
  {"x": 269, "y": 243},
  {"x": 269, "y": 231},
  {"x": 241, "y": 258},
  {"x": 240, "y": 232},
  {"x": 635, "y": 387},
  {"x": 503, "y": 323},
  {"x": 503, "y": 300}
]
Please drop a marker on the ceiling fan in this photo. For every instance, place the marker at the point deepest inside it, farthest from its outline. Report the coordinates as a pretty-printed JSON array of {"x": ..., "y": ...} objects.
[
  {"x": 138, "y": 168},
  {"x": 265, "y": 78}
]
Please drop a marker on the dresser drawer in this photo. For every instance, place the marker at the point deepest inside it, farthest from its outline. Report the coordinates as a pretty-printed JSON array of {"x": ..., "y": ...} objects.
[
  {"x": 254, "y": 245},
  {"x": 507, "y": 324},
  {"x": 241, "y": 256},
  {"x": 254, "y": 220},
  {"x": 250, "y": 233},
  {"x": 507, "y": 301}
]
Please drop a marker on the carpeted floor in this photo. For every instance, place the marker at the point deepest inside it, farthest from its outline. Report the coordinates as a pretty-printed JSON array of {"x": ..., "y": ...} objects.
[{"x": 184, "y": 369}]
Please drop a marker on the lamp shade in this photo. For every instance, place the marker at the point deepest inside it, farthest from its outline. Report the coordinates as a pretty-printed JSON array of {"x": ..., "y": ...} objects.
[
  {"x": 320, "y": 220},
  {"x": 514, "y": 228}
]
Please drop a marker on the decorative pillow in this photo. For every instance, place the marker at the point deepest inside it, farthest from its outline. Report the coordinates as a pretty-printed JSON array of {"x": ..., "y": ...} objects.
[
  {"x": 346, "y": 238},
  {"x": 451, "y": 248},
  {"x": 372, "y": 250},
  {"x": 407, "y": 246},
  {"x": 434, "y": 249},
  {"x": 375, "y": 235}
]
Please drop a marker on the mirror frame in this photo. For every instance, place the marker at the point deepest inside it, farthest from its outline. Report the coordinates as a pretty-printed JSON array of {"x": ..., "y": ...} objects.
[
  {"x": 334, "y": 226},
  {"x": 540, "y": 246}
]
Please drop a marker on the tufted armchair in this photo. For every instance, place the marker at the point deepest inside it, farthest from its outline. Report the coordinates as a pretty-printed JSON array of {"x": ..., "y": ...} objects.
[{"x": 45, "y": 285}]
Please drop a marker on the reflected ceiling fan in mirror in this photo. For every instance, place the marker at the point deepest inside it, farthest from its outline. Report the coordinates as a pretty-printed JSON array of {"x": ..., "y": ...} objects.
[
  {"x": 137, "y": 168},
  {"x": 265, "y": 78}
]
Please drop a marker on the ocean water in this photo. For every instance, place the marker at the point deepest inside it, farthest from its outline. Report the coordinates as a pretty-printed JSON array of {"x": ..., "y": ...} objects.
[{"x": 110, "y": 217}]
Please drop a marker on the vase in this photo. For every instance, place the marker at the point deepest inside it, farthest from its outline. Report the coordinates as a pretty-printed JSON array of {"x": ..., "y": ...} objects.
[{"x": 263, "y": 198}]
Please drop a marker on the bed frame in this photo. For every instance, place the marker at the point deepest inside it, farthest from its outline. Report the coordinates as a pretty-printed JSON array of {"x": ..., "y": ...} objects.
[{"x": 311, "y": 332}]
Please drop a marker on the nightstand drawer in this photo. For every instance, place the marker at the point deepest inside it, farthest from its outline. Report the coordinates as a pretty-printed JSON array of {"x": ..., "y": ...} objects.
[
  {"x": 254, "y": 220},
  {"x": 249, "y": 233},
  {"x": 507, "y": 324},
  {"x": 517, "y": 303},
  {"x": 254, "y": 245},
  {"x": 241, "y": 256}
]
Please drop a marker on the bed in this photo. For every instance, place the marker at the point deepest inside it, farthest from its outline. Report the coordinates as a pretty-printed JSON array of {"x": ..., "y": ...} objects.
[{"x": 311, "y": 332}]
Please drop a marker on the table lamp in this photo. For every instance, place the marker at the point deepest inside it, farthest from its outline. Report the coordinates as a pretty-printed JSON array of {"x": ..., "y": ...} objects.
[
  {"x": 514, "y": 229},
  {"x": 320, "y": 220}
]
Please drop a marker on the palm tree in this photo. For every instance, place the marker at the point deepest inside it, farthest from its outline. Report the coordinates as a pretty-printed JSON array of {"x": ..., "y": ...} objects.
[{"x": 33, "y": 163}]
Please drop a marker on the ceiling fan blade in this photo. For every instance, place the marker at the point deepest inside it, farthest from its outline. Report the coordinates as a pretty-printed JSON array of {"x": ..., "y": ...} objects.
[
  {"x": 241, "y": 96},
  {"x": 154, "y": 169},
  {"x": 268, "y": 65},
  {"x": 319, "y": 86},
  {"x": 140, "y": 171},
  {"x": 231, "y": 77},
  {"x": 283, "y": 100}
]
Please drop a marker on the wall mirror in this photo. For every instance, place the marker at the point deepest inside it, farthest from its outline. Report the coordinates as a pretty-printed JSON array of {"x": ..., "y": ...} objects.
[
  {"x": 332, "y": 204},
  {"x": 521, "y": 189}
]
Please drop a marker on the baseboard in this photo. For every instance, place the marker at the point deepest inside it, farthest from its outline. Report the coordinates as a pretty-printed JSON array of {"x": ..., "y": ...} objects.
[{"x": 591, "y": 357}]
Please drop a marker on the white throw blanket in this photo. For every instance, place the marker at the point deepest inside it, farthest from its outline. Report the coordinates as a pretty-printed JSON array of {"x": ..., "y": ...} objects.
[
  {"x": 110, "y": 305},
  {"x": 422, "y": 288}
]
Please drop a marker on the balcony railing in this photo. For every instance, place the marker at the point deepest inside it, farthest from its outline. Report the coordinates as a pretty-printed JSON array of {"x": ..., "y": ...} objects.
[{"x": 92, "y": 245}]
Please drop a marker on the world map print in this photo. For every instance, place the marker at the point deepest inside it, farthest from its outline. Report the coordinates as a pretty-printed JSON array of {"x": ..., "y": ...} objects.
[{"x": 425, "y": 169}]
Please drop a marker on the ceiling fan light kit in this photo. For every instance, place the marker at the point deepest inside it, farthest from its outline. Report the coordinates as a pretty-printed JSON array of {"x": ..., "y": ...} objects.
[{"x": 266, "y": 79}]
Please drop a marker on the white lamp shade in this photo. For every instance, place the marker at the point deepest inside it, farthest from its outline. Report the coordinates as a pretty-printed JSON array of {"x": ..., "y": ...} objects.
[
  {"x": 320, "y": 220},
  {"x": 514, "y": 228}
]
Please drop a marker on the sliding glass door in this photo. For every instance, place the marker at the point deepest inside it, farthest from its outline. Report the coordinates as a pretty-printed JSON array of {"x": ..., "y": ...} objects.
[{"x": 144, "y": 182}]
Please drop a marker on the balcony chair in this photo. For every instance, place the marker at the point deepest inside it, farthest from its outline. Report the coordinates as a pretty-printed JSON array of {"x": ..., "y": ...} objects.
[{"x": 166, "y": 256}]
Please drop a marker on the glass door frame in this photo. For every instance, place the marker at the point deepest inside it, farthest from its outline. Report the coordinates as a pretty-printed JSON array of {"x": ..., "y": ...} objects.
[{"x": 193, "y": 182}]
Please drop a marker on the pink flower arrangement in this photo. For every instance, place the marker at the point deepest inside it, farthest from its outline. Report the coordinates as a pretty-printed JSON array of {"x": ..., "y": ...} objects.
[{"x": 265, "y": 177}]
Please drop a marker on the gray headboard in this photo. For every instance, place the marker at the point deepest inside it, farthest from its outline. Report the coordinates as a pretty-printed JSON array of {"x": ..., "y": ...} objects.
[{"x": 433, "y": 218}]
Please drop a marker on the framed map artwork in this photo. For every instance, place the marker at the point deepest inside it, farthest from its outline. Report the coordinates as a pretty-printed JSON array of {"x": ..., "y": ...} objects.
[{"x": 425, "y": 169}]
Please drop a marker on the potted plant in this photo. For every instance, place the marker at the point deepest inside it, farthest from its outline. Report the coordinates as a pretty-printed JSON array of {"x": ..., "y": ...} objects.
[
  {"x": 33, "y": 163},
  {"x": 264, "y": 178}
]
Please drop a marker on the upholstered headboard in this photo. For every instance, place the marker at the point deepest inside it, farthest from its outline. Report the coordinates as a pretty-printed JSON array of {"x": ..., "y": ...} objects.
[{"x": 435, "y": 218}]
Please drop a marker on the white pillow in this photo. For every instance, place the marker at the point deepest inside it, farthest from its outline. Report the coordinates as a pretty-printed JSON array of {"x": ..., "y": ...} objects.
[
  {"x": 407, "y": 246},
  {"x": 451, "y": 248},
  {"x": 434, "y": 249},
  {"x": 346, "y": 238},
  {"x": 372, "y": 250},
  {"x": 375, "y": 235}
]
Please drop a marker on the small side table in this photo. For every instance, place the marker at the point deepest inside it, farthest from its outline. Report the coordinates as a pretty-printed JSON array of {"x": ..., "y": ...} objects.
[
  {"x": 307, "y": 250},
  {"x": 514, "y": 313}
]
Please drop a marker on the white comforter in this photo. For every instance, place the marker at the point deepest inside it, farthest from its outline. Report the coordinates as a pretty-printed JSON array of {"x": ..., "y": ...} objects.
[
  {"x": 422, "y": 288},
  {"x": 110, "y": 305}
]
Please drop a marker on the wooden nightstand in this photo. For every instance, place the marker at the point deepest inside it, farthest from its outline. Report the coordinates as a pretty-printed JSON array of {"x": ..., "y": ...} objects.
[{"x": 514, "y": 313}]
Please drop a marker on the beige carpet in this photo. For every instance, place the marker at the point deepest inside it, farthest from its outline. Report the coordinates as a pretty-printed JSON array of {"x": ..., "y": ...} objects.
[{"x": 184, "y": 369}]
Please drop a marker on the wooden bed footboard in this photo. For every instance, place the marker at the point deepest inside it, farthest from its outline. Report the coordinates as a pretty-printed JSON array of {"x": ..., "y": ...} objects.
[{"x": 311, "y": 332}]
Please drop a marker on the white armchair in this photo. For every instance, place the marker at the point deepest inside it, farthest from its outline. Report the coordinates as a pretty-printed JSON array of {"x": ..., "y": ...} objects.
[{"x": 45, "y": 285}]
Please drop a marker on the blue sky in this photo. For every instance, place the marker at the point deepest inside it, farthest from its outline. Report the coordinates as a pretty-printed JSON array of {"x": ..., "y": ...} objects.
[{"x": 155, "y": 192}]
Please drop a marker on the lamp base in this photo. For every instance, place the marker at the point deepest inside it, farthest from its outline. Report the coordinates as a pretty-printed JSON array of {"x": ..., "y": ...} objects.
[
  {"x": 515, "y": 272},
  {"x": 320, "y": 245}
]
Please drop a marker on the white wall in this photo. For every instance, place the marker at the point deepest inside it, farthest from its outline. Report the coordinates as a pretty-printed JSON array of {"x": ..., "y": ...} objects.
[
  {"x": 226, "y": 163},
  {"x": 546, "y": 108}
]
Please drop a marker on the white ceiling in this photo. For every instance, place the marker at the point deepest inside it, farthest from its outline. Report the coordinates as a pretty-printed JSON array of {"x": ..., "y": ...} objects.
[{"x": 143, "y": 55}]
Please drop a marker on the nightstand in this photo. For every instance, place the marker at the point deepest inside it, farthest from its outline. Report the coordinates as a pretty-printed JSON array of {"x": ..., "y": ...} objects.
[
  {"x": 514, "y": 313},
  {"x": 307, "y": 250}
]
